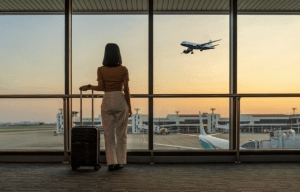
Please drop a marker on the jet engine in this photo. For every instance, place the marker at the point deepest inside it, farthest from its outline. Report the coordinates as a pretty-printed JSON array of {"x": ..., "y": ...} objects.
[{"x": 186, "y": 51}]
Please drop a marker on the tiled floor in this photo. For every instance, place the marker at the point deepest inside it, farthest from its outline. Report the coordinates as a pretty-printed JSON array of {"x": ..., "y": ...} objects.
[{"x": 158, "y": 177}]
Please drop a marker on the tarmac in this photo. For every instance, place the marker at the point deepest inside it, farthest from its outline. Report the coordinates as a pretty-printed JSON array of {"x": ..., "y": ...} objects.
[{"x": 45, "y": 140}]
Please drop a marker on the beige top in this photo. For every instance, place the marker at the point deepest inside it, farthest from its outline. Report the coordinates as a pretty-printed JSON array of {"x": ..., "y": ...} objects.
[{"x": 113, "y": 77}]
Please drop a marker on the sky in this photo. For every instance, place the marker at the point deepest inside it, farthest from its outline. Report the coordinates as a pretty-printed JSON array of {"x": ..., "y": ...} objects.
[{"x": 32, "y": 62}]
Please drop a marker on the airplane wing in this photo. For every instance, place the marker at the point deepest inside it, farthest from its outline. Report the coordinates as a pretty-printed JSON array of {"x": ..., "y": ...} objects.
[{"x": 210, "y": 42}]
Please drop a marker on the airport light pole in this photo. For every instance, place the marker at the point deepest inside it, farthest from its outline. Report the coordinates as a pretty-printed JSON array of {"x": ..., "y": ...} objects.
[
  {"x": 294, "y": 110},
  {"x": 212, "y": 109}
]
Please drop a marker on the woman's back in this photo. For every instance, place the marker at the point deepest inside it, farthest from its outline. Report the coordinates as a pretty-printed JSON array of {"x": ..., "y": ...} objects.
[{"x": 113, "y": 77}]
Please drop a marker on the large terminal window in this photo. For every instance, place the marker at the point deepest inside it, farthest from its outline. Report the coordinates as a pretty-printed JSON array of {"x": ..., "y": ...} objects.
[
  {"x": 32, "y": 54},
  {"x": 268, "y": 53},
  {"x": 191, "y": 56},
  {"x": 197, "y": 67},
  {"x": 91, "y": 33},
  {"x": 32, "y": 63},
  {"x": 268, "y": 63}
]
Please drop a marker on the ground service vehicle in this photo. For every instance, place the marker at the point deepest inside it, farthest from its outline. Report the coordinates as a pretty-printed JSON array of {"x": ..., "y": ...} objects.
[{"x": 162, "y": 131}]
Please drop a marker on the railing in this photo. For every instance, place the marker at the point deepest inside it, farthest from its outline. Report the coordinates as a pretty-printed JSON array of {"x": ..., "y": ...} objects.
[{"x": 152, "y": 96}]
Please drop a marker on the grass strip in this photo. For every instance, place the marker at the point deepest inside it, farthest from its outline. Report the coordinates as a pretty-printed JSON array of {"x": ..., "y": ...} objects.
[
  {"x": 24, "y": 130},
  {"x": 26, "y": 127}
]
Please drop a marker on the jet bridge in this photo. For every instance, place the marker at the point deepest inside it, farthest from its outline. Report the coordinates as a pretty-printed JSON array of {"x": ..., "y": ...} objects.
[{"x": 280, "y": 139}]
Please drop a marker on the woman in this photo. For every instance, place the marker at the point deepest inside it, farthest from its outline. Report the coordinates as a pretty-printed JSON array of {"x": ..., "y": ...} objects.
[{"x": 115, "y": 108}]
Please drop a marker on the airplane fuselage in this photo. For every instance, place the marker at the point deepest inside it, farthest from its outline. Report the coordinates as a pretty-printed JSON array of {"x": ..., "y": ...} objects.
[
  {"x": 204, "y": 46},
  {"x": 210, "y": 142},
  {"x": 195, "y": 46}
]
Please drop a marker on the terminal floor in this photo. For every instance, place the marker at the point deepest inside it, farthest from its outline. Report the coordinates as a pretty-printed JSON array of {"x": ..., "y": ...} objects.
[{"x": 145, "y": 177}]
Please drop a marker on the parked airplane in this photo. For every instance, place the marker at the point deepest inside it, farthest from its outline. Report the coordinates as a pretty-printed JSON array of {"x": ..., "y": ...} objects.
[
  {"x": 207, "y": 141},
  {"x": 201, "y": 47},
  {"x": 210, "y": 142}
]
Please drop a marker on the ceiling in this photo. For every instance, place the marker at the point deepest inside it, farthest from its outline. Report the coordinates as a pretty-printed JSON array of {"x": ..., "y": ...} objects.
[{"x": 141, "y": 6}]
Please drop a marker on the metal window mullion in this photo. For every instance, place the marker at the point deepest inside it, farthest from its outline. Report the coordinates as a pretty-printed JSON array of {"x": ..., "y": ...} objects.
[
  {"x": 233, "y": 75},
  {"x": 237, "y": 114},
  {"x": 65, "y": 130},
  {"x": 68, "y": 77},
  {"x": 70, "y": 12},
  {"x": 150, "y": 80}
]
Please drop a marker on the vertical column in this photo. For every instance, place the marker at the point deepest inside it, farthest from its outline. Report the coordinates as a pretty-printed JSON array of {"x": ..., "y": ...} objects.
[
  {"x": 150, "y": 80},
  {"x": 233, "y": 75},
  {"x": 298, "y": 125},
  {"x": 65, "y": 133},
  {"x": 68, "y": 74},
  {"x": 238, "y": 101}
]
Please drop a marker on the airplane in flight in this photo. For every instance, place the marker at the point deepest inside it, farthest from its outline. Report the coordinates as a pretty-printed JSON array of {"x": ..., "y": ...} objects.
[{"x": 204, "y": 46}]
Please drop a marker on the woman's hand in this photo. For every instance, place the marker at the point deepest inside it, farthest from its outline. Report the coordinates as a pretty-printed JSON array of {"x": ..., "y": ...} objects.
[
  {"x": 83, "y": 88},
  {"x": 130, "y": 112}
]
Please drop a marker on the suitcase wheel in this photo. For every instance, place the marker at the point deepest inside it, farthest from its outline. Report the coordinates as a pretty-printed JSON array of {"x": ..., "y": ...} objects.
[
  {"x": 74, "y": 167},
  {"x": 97, "y": 167}
]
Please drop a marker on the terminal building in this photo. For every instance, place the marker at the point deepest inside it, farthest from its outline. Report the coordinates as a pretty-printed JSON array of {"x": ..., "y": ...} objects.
[{"x": 189, "y": 123}]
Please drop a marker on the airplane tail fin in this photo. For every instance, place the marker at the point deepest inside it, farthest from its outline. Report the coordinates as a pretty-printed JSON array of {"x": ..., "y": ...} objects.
[{"x": 202, "y": 131}]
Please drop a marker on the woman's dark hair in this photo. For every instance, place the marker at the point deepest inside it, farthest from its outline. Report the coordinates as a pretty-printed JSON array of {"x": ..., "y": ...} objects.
[{"x": 112, "y": 55}]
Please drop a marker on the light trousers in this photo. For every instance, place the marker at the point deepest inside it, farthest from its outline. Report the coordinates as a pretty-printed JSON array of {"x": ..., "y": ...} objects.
[{"x": 114, "y": 113}]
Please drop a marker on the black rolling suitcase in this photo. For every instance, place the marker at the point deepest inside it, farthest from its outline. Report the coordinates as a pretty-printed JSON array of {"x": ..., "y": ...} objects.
[{"x": 85, "y": 143}]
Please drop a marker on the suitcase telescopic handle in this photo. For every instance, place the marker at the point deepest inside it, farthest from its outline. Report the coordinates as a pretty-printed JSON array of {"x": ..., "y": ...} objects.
[{"x": 81, "y": 107}]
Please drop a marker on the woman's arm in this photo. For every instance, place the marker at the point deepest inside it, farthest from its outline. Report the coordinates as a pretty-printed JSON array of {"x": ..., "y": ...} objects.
[
  {"x": 127, "y": 94},
  {"x": 100, "y": 87},
  {"x": 100, "y": 80}
]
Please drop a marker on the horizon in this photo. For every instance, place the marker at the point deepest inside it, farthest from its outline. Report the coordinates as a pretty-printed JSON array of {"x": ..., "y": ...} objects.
[{"x": 153, "y": 117}]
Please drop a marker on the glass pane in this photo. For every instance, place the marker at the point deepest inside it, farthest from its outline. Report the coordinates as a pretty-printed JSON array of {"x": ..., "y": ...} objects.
[
  {"x": 32, "y": 54},
  {"x": 268, "y": 53},
  {"x": 270, "y": 123},
  {"x": 91, "y": 33},
  {"x": 179, "y": 126},
  {"x": 31, "y": 124},
  {"x": 186, "y": 58},
  {"x": 137, "y": 137}
]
